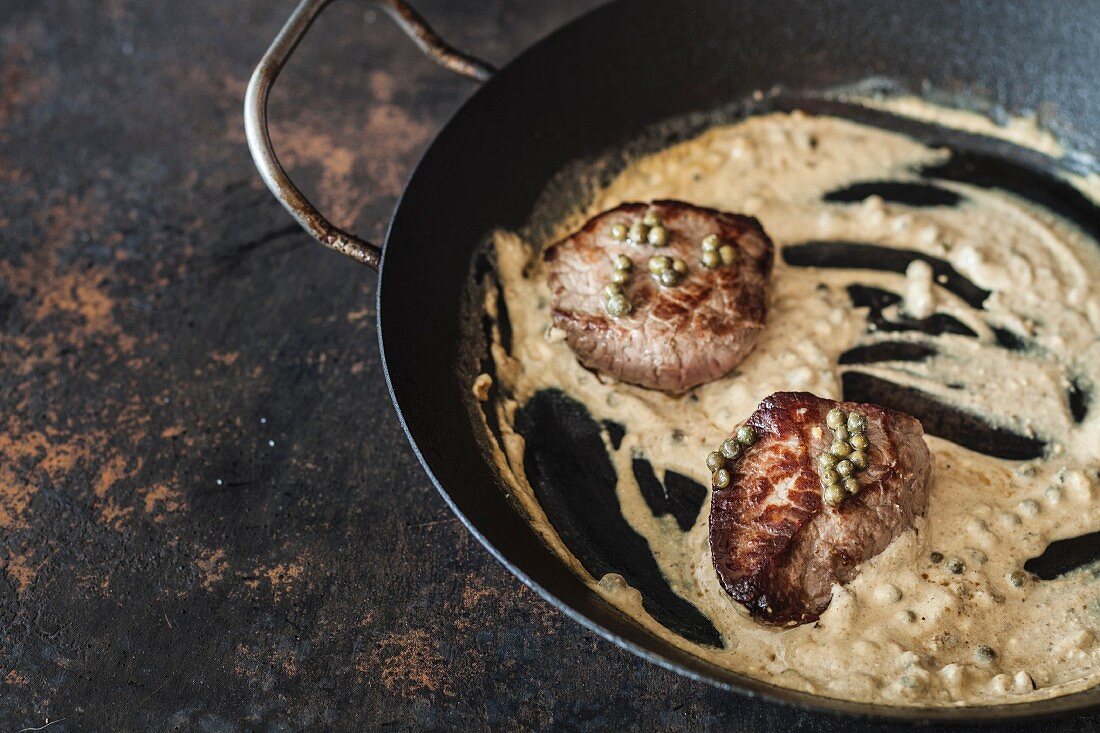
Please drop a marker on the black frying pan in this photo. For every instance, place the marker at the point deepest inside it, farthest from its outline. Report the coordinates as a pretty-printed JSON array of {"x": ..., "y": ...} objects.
[{"x": 599, "y": 83}]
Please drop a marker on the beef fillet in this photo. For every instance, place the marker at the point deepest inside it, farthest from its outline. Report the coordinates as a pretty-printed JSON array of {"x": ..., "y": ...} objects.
[
  {"x": 777, "y": 547},
  {"x": 674, "y": 336}
]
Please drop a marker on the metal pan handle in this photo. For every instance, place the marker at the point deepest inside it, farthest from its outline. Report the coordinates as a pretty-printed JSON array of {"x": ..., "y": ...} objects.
[{"x": 255, "y": 115}]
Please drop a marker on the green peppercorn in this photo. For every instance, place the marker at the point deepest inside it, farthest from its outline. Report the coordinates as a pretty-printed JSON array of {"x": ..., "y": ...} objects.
[
  {"x": 1017, "y": 578},
  {"x": 841, "y": 433},
  {"x": 658, "y": 264},
  {"x": 728, "y": 254},
  {"x": 835, "y": 418},
  {"x": 845, "y": 468},
  {"x": 710, "y": 260},
  {"x": 620, "y": 277},
  {"x": 833, "y": 494},
  {"x": 715, "y": 460},
  {"x": 638, "y": 233},
  {"x": 840, "y": 449},
  {"x": 711, "y": 243},
  {"x": 955, "y": 565},
  {"x": 857, "y": 423},
  {"x": 612, "y": 289},
  {"x": 618, "y": 305},
  {"x": 618, "y": 232},
  {"x": 827, "y": 460},
  {"x": 651, "y": 219},
  {"x": 746, "y": 435},
  {"x": 851, "y": 485},
  {"x": 720, "y": 478},
  {"x": 829, "y": 476},
  {"x": 670, "y": 278},
  {"x": 680, "y": 266},
  {"x": 658, "y": 236},
  {"x": 859, "y": 459},
  {"x": 731, "y": 449},
  {"x": 622, "y": 262},
  {"x": 985, "y": 654},
  {"x": 858, "y": 441},
  {"x": 935, "y": 557}
]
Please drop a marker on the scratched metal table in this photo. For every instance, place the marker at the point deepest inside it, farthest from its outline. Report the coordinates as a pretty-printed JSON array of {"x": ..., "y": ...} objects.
[{"x": 209, "y": 517}]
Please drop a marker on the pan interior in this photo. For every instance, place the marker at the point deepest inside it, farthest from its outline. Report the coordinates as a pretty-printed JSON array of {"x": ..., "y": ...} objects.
[{"x": 568, "y": 461}]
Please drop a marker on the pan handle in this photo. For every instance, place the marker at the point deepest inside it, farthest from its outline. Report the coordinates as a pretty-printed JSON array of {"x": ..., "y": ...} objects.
[{"x": 259, "y": 139}]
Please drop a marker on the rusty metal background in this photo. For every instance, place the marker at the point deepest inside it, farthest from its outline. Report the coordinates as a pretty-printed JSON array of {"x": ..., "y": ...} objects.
[{"x": 197, "y": 483}]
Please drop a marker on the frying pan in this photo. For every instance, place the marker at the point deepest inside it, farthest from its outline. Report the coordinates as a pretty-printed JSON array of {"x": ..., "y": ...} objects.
[{"x": 595, "y": 85}]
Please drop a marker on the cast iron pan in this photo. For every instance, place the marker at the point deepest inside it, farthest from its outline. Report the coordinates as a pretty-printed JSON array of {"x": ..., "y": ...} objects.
[{"x": 615, "y": 77}]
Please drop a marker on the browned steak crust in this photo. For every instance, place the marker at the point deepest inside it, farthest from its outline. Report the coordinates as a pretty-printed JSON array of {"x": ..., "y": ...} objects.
[
  {"x": 777, "y": 547},
  {"x": 676, "y": 337}
]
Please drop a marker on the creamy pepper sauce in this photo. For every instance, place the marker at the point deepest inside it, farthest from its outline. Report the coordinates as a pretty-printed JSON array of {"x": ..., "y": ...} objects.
[{"x": 907, "y": 630}]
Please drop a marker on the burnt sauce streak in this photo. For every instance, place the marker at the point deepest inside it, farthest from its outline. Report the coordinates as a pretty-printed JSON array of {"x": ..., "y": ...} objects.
[
  {"x": 953, "y": 286},
  {"x": 678, "y": 495},
  {"x": 575, "y": 483},
  {"x": 1066, "y": 556},
  {"x": 863, "y": 256},
  {"x": 939, "y": 418},
  {"x": 898, "y": 192},
  {"x": 877, "y": 301}
]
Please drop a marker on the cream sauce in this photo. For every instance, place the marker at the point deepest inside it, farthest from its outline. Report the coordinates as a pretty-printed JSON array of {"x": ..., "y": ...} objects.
[{"x": 906, "y": 631}]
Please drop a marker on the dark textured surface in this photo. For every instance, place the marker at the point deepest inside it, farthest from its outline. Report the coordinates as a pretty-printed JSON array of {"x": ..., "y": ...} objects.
[{"x": 209, "y": 517}]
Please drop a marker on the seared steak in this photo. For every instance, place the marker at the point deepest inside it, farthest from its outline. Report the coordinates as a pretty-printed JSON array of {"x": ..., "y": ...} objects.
[
  {"x": 695, "y": 327},
  {"x": 777, "y": 546}
]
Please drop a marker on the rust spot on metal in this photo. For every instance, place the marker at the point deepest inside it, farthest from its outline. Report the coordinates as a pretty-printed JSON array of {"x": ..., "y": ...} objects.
[
  {"x": 22, "y": 570},
  {"x": 15, "y": 678},
  {"x": 410, "y": 665},
  {"x": 31, "y": 458},
  {"x": 281, "y": 578},
  {"x": 226, "y": 358},
  {"x": 160, "y": 498},
  {"x": 213, "y": 567},
  {"x": 261, "y": 664},
  {"x": 23, "y": 80}
]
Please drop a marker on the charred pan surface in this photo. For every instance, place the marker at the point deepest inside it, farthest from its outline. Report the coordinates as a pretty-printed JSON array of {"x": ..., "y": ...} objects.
[
  {"x": 676, "y": 337},
  {"x": 776, "y": 546}
]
